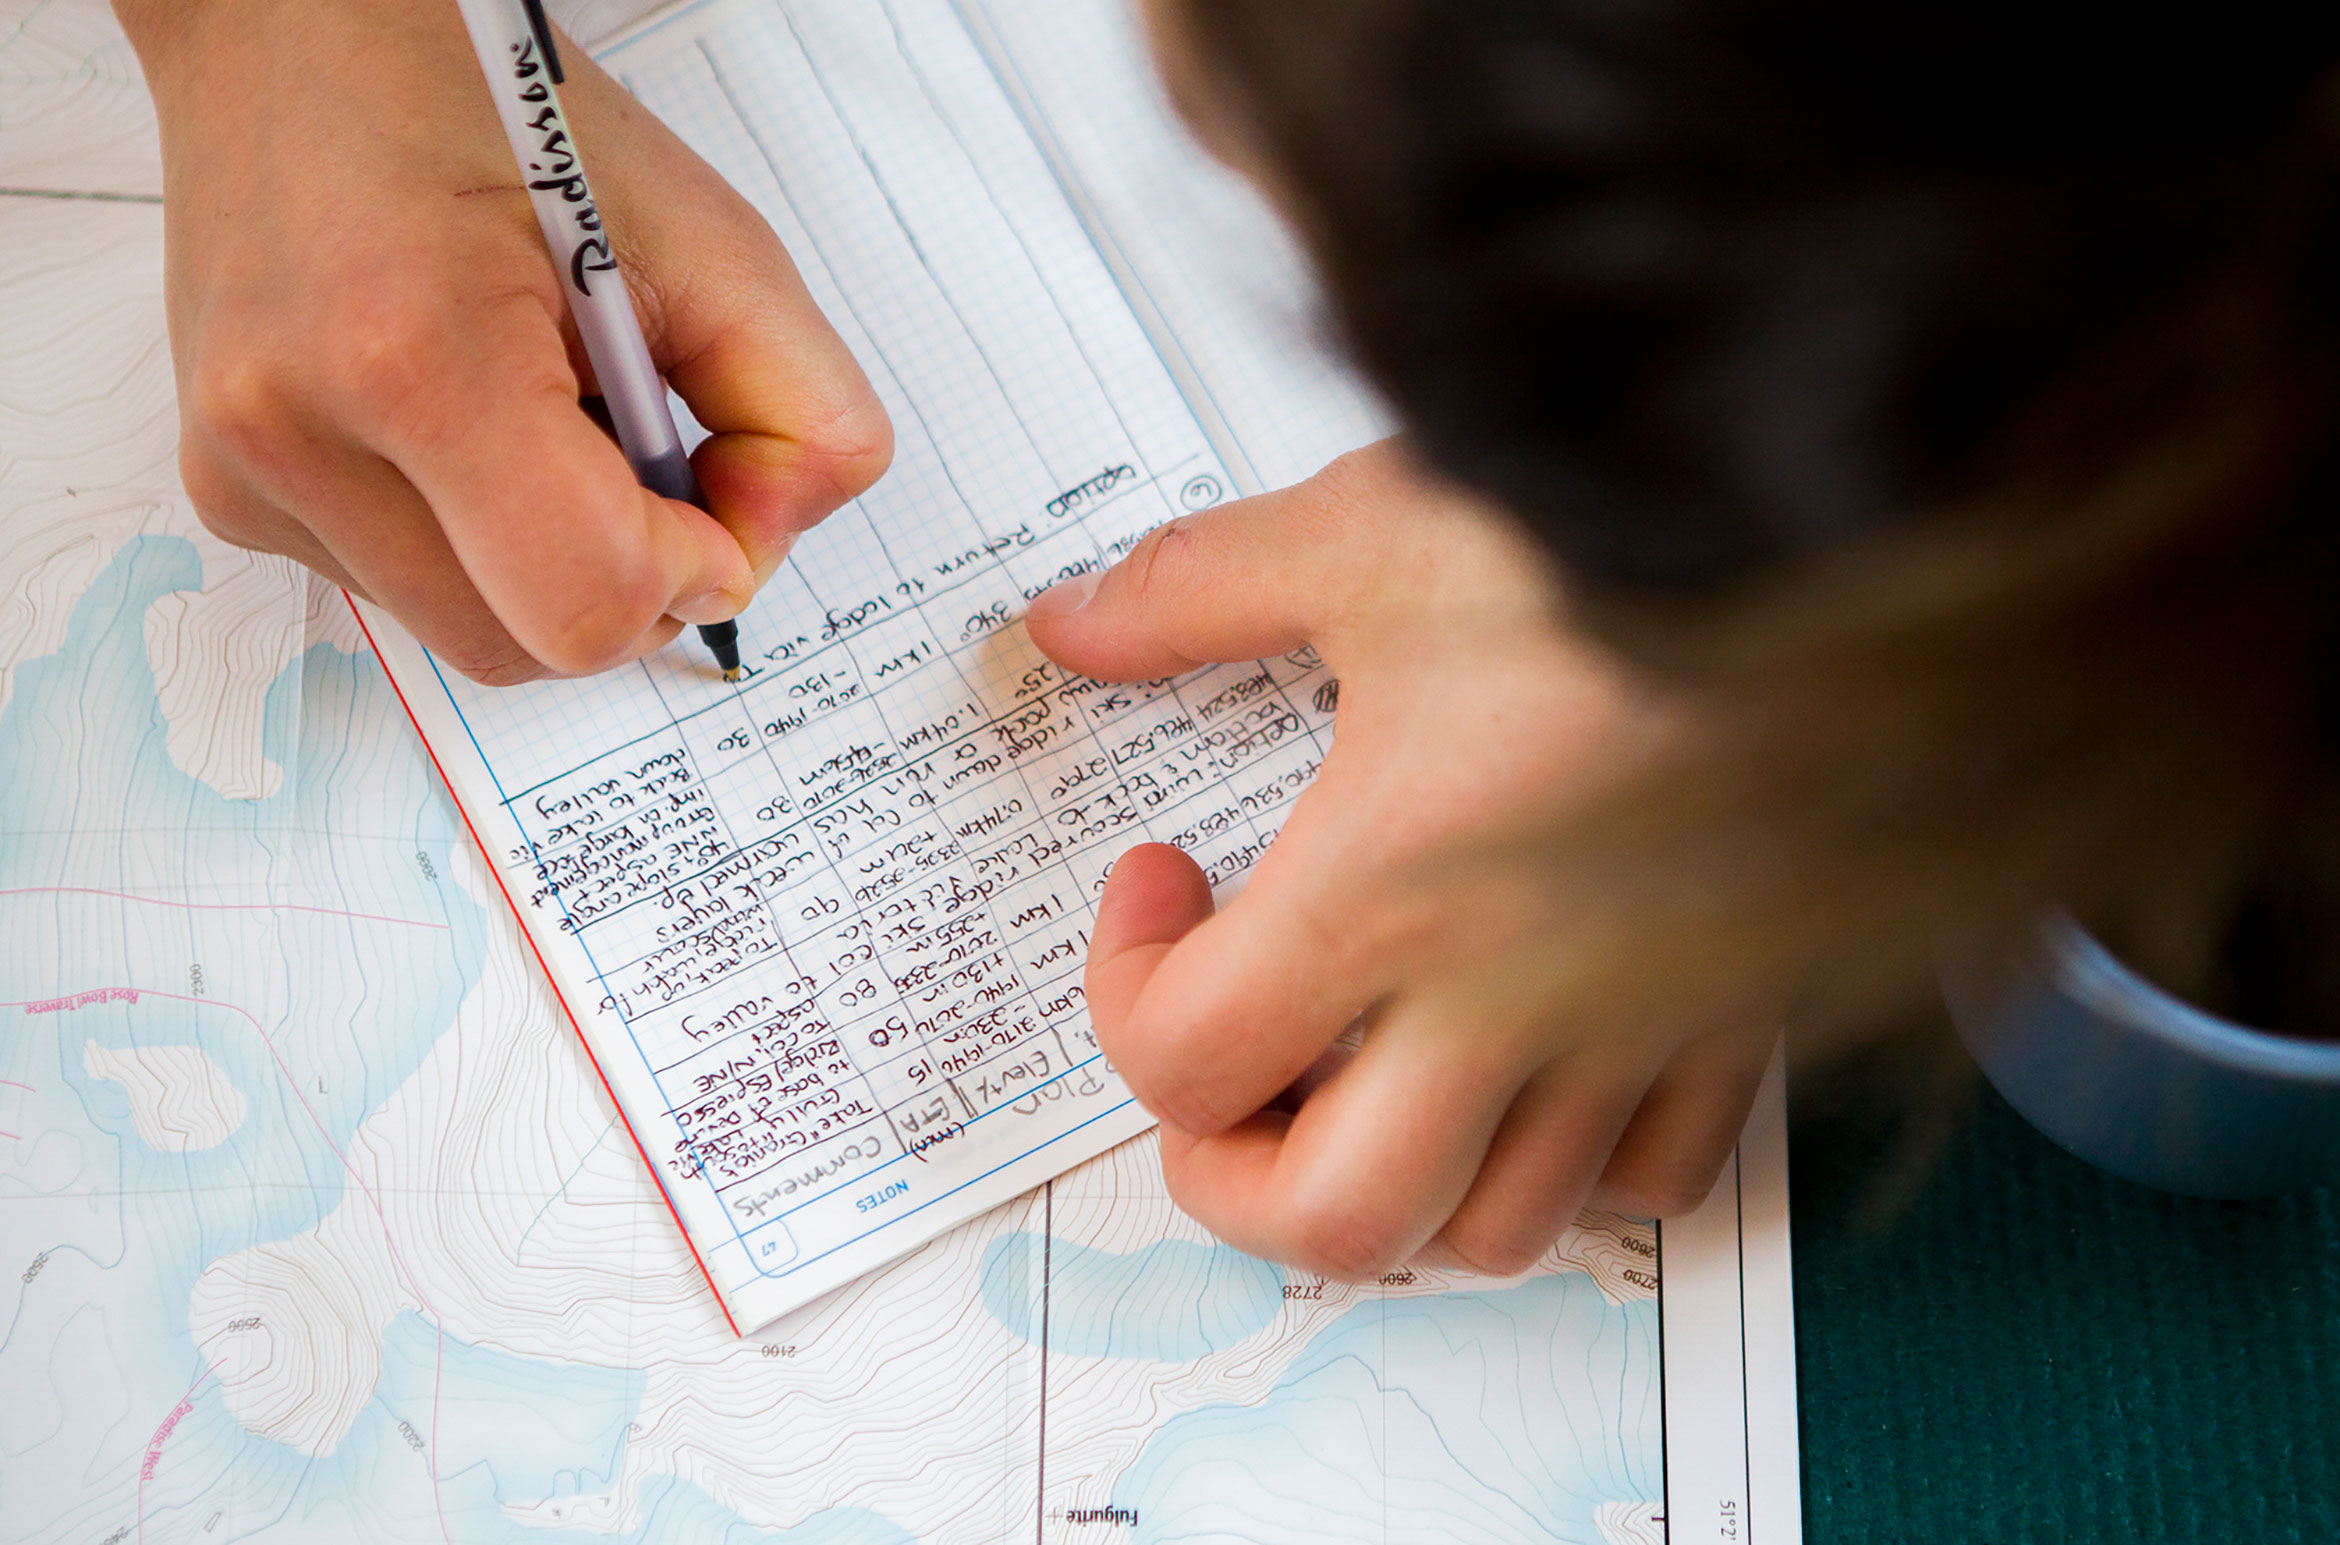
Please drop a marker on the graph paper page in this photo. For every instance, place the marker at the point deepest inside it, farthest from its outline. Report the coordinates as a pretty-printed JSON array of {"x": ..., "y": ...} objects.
[
  {"x": 824, "y": 930},
  {"x": 1204, "y": 260}
]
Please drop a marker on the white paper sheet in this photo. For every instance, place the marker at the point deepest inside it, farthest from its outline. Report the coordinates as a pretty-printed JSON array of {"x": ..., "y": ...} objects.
[
  {"x": 824, "y": 929},
  {"x": 823, "y": 932}
]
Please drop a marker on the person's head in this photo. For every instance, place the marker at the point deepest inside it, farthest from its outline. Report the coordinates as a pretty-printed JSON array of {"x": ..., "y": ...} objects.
[{"x": 1950, "y": 386}]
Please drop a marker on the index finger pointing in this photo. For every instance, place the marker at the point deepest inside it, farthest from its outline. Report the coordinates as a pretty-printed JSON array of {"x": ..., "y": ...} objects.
[{"x": 1257, "y": 577}]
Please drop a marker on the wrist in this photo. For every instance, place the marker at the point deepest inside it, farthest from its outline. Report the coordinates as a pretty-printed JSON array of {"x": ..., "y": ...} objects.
[{"x": 155, "y": 27}]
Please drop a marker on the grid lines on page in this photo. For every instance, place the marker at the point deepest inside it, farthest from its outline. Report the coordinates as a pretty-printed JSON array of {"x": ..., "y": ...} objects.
[{"x": 829, "y": 923}]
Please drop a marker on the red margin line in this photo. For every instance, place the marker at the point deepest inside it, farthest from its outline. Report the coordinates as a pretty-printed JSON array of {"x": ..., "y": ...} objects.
[{"x": 583, "y": 1040}]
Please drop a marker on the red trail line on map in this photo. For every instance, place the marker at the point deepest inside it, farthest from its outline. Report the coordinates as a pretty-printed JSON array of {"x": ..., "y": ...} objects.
[
  {"x": 162, "y": 1432},
  {"x": 389, "y": 1238},
  {"x": 220, "y": 906}
]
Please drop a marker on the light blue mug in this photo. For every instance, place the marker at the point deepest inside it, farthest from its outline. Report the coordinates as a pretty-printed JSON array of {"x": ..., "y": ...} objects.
[{"x": 2145, "y": 1085}]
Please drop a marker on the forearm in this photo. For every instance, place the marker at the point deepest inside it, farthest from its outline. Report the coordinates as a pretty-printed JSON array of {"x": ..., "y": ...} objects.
[
  {"x": 176, "y": 39},
  {"x": 159, "y": 29}
]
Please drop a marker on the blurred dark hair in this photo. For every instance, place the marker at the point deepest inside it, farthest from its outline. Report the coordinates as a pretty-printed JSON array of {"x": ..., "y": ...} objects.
[{"x": 1950, "y": 388}]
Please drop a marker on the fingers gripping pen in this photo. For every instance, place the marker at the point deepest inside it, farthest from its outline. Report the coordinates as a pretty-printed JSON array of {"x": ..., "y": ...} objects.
[{"x": 516, "y": 51}]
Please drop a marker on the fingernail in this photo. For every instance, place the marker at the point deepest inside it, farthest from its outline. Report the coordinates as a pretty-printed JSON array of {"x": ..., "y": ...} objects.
[
  {"x": 716, "y": 605},
  {"x": 1066, "y": 596},
  {"x": 772, "y": 560}
]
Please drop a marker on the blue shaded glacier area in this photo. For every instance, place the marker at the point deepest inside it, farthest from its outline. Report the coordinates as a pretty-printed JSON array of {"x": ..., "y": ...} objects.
[
  {"x": 1171, "y": 1302},
  {"x": 1504, "y": 1418},
  {"x": 511, "y": 1429},
  {"x": 316, "y": 1011},
  {"x": 501, "y": 1430},
  {"x": 678, "y": 1512},
  {"x": 314, "y": 946}
]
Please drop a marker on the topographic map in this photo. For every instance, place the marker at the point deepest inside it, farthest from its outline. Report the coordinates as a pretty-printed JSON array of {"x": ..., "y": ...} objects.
[{"x": 316, "y": 1226}]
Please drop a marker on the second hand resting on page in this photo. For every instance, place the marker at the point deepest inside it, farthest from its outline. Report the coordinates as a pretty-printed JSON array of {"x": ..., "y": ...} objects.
[{"x": 1411, "y": 893}]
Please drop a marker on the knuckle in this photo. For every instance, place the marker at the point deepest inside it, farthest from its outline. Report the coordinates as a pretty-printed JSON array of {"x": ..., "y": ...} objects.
[
  {"x": 245, "y": 404},
  {"x": 1146, "y": 557},
  {"x": 1346, "y": 479},
  {"x": 600, "y": 630},
  {"x": 1338, "y": 1239},
  {"x": 1352, "y": 508},
  {"x": 1494, "y": 1252},
  {"x": 854, "y": 443},
  {"x": 382, "y": 345},
  {"x": 236, "y": 527},
  {"x": 1166, "y": 563},
  {"x": 1401, "y": 924},
  {"x": 1176, "y": 1076},
  {"x": 1353, "y": 489},
  {"x": 491, "y": 665},
  {"x": 1175, "y": 1095},
  {"x": 1195, "y": 1106},
  {"x": 1134, "y": 1059},
  {"x": 1657, "y": 1191},
  {"x": 220, "y": 502}
]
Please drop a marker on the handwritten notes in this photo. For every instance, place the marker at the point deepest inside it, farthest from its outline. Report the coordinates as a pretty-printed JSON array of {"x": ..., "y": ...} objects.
[
  {"x": 842, "y": 911},
  {"x": 824, "y": 929}
]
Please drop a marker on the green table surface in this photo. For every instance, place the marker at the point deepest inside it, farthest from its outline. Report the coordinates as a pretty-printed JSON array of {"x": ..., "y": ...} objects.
[{"x": 1996, "y": 1342}]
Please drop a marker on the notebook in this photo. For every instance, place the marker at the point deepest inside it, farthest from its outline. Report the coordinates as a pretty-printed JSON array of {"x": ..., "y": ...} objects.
[{"x": 822, "y": 931}]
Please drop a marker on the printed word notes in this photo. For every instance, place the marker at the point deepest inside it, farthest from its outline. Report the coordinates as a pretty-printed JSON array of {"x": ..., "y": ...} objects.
[{"x": 823, "y": 930}]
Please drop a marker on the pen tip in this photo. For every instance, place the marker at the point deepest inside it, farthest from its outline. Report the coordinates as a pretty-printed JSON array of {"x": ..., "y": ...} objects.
[{"x": 722, "y": 641}]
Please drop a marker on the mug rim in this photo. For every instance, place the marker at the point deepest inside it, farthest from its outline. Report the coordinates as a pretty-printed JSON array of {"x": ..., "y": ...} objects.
[{"x": 2098, "y": 980}]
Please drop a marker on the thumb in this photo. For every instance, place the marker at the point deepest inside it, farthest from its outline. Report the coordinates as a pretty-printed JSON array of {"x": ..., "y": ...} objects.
[
  {"x": 1244, "y": 580},
  {"x": 795, "y": 429}
]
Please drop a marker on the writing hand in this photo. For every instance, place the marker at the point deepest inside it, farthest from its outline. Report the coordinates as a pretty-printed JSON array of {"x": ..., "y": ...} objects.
[
  {"x": 377, "y": 373},
  {"x": 1413, "y": 893}
]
